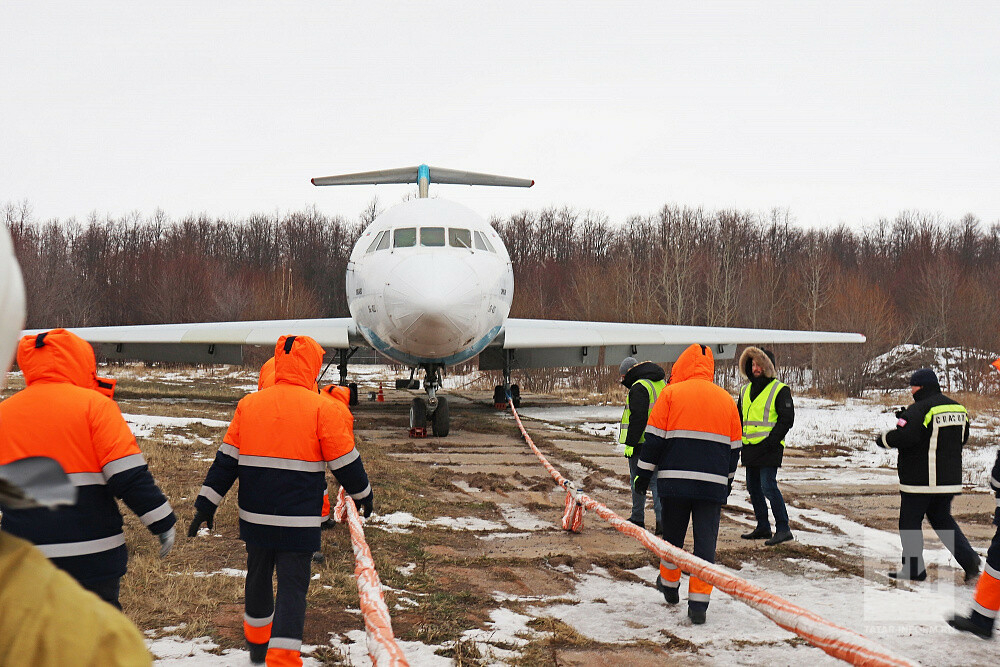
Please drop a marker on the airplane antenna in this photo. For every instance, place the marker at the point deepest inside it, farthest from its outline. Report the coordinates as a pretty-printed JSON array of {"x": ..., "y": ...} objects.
[{"x": 423, "y": 175}]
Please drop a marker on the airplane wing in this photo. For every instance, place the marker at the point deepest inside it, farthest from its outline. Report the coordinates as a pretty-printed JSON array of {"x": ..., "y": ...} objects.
[
  {"x": 212, "y": 342},
  {"x": 553, "y": 343}
]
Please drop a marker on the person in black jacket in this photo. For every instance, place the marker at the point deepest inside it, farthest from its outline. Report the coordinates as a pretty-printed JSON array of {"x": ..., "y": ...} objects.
[
  {"x": 644, "y": 381},
  {"x": 929, "y": 436},
  {"x": 767, "y": 412}
]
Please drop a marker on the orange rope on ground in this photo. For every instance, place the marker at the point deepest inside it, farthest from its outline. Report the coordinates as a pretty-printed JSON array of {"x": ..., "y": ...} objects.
[
  {"x": 382, "y": 646},
  {"x": 839, "y": 642}
]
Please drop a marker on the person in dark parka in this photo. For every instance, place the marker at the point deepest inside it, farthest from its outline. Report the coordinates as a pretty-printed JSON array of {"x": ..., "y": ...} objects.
[
  {"x": 767, "y": 412},
  {"x": 929, "y": 436},
  {"x": 644, "y": 381}
]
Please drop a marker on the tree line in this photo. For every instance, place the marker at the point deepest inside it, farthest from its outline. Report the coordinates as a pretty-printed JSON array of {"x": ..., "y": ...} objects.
[{"x": 916, "y": 278}]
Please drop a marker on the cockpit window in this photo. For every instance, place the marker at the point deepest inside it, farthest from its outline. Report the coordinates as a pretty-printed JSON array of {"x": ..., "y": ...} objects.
[
  {"x": 375, "y": 241},
  {"x": 384, "y": 241},
  {"x": 405, "y": 237},
  {"x": 483, "y": 243},
  {"x": 459, "y": 238},
  {"x": 432, "y": 236}
]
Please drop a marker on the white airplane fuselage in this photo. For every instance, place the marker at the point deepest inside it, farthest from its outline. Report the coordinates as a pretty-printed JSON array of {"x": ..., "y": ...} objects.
[{"x": 429, "y": 282}]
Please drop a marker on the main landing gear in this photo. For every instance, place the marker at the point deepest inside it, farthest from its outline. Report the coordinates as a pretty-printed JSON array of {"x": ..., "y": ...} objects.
[
  {"x": 342, "y": 367},
  {"x": 434, "y": 409},
  {"x": 502, "y": 391}
]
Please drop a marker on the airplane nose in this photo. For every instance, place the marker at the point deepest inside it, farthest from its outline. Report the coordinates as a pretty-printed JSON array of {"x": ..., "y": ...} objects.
[{"x": 432, "y": 301}]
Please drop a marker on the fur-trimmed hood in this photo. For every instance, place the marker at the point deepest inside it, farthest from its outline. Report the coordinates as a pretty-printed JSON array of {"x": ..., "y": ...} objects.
[{"x": 764, "y": 358}]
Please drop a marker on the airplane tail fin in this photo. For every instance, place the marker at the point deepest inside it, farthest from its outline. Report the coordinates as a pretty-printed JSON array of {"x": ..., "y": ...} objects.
[{"x": 422, "y": 175}]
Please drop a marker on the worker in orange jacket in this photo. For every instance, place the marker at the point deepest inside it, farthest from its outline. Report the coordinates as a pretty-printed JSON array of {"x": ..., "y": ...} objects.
[
  {"x": 693, "y": 436},
  {"x": 986, "y": 602},
  {"x": 265, "y": 380},
  {"x": 46, "y": 618},
  {"x": 278, "y": 445},
  {"x": 63, "y": 415}
]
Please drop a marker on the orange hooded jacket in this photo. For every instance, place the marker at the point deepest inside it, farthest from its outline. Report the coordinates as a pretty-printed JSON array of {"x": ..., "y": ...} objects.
[
  {"x": 266, "y": 380},
  {"x": 694, "y": 433},
  {"x": 61, "y": 414},
  {"x": 278, "y": 444}
]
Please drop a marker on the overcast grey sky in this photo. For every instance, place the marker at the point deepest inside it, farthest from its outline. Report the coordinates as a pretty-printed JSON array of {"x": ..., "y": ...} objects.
[{"x": 839, "y": 111}]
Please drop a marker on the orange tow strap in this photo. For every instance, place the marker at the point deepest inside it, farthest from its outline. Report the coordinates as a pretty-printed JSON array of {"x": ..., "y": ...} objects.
[{"x": 837, "y": 641}]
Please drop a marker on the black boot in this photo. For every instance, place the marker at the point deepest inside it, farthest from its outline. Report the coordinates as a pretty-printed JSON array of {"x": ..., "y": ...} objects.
[
  {"x": 258, "y": 653},
  {"x": 697, "y": 616},
  {"x": 904, "y": 575},
  {"x": 758, "y": 533},
  {"x": 779, "y": 537},
  {"x": 966, "y": 624},
  {"x": 670, "y": 595},
  {"x": 972, "y": 574}
]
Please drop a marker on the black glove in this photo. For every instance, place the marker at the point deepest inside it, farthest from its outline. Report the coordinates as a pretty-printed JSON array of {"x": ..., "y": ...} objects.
[
  {"x": 899, "y": 413},
  {"x": 640, "y": 484},
  {"x": 367, "y": 505},
  {"x": 200, "y": 518}
]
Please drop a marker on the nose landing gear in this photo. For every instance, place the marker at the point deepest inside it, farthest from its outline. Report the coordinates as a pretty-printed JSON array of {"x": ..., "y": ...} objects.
[{"x": 434, "y": 409}]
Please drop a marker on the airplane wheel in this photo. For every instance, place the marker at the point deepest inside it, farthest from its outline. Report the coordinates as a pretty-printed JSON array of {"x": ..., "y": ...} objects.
[
  {"x": 440, "y": 420},
  {"x": 499, "y": 395},
  {"x": 418, "y": 413},
  {"x": 515, "y": 394},
  {"x": 353, "y": 387}
]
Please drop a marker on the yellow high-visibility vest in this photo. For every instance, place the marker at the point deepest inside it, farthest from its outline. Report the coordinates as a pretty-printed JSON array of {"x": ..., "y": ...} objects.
[
  {"x": 653, "y": 388},
  {"x": 759, "y": 415}
]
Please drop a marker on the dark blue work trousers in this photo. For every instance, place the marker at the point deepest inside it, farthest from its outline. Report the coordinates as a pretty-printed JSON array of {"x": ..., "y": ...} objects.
[
  {"x": 703, "y": 515},
  {"x": 289, "y": 606}
]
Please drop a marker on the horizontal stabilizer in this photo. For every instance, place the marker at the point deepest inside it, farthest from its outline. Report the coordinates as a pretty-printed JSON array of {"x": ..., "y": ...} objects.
[{"x": 413, "y": 174}]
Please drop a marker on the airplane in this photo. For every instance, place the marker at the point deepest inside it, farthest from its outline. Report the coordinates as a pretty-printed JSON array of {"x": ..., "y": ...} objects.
[{"x": 430, "y": 284}]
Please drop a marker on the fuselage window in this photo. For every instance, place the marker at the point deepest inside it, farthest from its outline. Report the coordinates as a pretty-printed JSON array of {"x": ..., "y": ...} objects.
[
  {"x": 374, "y": 244},
  {"x": 459, "y": 238},
  {"x": 384, "y": 242},
  {"x": 432, "y": 236},
  {"x": 483, "y": 243},
  {"x": 405, "y": 237}
]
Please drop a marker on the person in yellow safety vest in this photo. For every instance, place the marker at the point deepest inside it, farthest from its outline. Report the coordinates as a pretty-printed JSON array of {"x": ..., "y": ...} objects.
[
  {"x": 644, "y": 381},
  {"x": 767, "y": 413}
]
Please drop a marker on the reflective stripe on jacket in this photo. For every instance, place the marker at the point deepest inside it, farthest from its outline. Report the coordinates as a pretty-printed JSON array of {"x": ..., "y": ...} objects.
[
  {"x": 694, "y": 433},
  {"x": 760, "y": 414},
  {"x": 62, "y": 415},
  {"x": 653, "y": 389},
  {"x": 279, "y": 443},
  {"x": 930, "y": 435}
]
